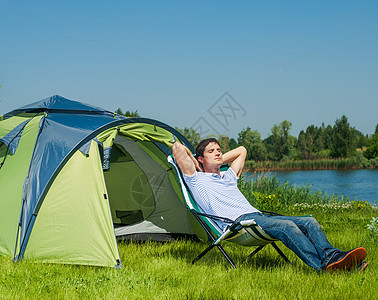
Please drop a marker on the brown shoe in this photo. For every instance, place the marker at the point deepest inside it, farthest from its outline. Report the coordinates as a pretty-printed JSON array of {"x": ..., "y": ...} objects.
[{"x": 347, "y": 260}]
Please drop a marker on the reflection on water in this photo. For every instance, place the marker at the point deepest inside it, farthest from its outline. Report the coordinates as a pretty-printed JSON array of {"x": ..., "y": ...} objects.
[{"x": 355, "y": 184}]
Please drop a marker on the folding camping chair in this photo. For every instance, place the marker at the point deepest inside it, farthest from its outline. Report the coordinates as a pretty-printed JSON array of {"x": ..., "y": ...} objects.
[{"x": 246, "y": 232}]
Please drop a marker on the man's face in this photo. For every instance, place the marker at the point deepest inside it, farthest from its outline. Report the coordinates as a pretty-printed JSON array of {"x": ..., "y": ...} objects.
[{"x": 212, "y": 156}]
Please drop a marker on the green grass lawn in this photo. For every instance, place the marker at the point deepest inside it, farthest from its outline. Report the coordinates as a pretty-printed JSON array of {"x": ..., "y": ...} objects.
[{"x": 164, "y": 271}]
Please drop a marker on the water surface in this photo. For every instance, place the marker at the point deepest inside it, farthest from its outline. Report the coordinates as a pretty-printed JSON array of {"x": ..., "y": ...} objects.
[{"x": 355, "y": 184}]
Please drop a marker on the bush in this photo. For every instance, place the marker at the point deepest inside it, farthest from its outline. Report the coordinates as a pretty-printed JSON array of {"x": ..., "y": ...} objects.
[
  {"x": 362, "y": 161},
  {"x": 359, "y": 205},
  {"x": 374, "y": 162},
  {"x": 373, "y": 227},
  {"x": 267, "y": 202},
  {"x": 251, "y": 164},
  {"x": 322, "y": 154}
]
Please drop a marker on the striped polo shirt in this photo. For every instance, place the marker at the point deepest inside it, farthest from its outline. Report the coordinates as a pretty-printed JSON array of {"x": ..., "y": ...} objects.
[{"x": 219, "y": 196}]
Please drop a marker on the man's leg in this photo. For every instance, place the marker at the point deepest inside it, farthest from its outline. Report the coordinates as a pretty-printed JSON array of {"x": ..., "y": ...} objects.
[
  {"x": 292, "y": 237},
  {"x": 312, "y": 230},
  {"x": 303, "y": 235},
  {"x": 333, "y": 259}
]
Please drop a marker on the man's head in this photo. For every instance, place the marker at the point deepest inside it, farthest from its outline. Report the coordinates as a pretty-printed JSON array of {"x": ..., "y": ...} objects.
[{"x": 208, "y": 154}]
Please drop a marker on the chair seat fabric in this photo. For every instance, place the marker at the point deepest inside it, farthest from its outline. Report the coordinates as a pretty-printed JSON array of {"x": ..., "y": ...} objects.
[{"x": 250, "y": 236}]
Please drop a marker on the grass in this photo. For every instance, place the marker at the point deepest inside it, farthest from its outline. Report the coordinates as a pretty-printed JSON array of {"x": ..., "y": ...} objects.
[{"x": 164, "y": 270}]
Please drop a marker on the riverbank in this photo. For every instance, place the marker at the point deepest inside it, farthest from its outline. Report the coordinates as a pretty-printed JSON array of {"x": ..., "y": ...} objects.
[{"x": 306, "y": 165}]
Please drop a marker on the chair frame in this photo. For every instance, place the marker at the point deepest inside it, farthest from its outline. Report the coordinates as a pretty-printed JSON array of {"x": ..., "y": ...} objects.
[{"x": 233, "y": 228}]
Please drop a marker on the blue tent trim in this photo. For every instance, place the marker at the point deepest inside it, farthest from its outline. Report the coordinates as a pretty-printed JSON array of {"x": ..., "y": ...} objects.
[
  {"x": 57, "y": 103},
  {"x": 13, "y": 137}
]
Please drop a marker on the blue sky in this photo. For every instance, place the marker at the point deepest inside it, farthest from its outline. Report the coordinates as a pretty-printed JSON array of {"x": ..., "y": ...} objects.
[{"x": 304, "y": 61}]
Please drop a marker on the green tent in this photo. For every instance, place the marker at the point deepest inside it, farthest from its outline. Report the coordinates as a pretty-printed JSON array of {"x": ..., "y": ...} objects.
[{"x": 75, "y": 178}]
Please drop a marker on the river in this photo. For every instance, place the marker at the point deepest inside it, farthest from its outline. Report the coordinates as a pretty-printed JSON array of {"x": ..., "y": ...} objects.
[{"x": 355, "y": 184}]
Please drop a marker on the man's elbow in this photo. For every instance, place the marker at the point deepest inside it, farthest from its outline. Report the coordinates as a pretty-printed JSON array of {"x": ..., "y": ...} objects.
[
  {"x": 176, "y": 149},
  {"x": 243, "y": 151}
]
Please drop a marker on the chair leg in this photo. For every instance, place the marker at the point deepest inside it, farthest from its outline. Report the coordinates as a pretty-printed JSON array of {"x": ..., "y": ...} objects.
[
  {"x": 280, "y": 252},
  {"x": 203, "y": 253},
  {"x": 212, "y": 245},
  {"x": 255, "y": 251},
  {"x": 226, "y": 256},
  {"x": 220, "y": 249}
]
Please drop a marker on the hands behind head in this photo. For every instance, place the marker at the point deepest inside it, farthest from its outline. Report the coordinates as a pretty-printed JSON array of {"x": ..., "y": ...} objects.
[{"x": 198, "y": 167}]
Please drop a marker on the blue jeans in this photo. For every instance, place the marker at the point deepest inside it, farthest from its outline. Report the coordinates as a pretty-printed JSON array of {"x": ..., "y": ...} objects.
[{"x": 302, "y": 235}]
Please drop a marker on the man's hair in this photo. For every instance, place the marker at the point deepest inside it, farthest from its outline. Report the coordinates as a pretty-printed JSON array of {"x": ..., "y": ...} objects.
[{"x": 200, "y": 149}]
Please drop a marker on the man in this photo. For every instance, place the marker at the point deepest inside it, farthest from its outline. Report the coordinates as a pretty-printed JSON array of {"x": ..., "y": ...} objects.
[{"x": 219, "y": 195}]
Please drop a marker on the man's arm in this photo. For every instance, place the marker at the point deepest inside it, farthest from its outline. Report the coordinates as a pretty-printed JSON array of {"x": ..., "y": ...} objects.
[
  {"x": 184, "y": 158},
  {"x": 237, "y": 158}
]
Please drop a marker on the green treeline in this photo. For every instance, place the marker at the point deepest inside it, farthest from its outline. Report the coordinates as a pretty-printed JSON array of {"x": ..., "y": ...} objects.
[
  {"x": 128, "y": 113},
  {"x": 340, "y": 146}
]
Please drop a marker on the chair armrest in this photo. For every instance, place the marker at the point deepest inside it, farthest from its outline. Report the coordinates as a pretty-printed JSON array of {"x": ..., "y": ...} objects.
[
  {"x": 246, "y": 223},
  {"x": 237, "y": 225}
]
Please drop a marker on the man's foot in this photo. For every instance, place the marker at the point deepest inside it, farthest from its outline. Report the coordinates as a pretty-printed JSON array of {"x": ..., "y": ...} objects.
[
  {"x": 346, "y": 260},
  {"x": 362, "y": 266}
]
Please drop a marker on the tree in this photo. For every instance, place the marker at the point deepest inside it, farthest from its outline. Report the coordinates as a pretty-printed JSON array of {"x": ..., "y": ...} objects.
[
  {"x": 224, "y": 143},
  {"x": 251, "y": 140},
  {"x": 277, "y": 141},
  {"x": 360, "y": 140},
  {"x": 327, "y": 137},
  {"x": 315, "y": 142},
  {"x": 306, "y": 141},
  {"x": 129, "y": 114},
  {"x": 372, "y": 148},
  {"x": 191, "y": 135},
  {"x": 281, "y": 141},
  {"x": 232, "y": 144},
  {"x": 344, "y": 138}
]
